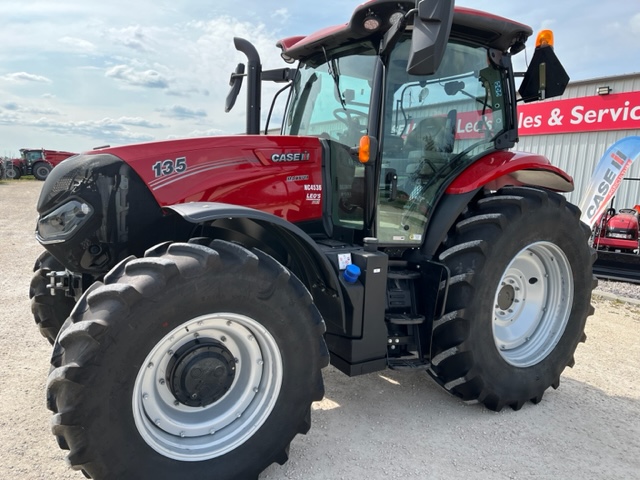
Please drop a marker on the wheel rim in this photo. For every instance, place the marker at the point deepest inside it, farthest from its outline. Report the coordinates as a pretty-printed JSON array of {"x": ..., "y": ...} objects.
[
  {"x": 195, "y": 433},
  {"x": 42, "y": 172},
  {"x": 532, "y": 304}
]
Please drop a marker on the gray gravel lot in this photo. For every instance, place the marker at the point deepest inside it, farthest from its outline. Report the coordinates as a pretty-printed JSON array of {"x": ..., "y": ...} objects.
[{"x": 384, "y": 425}]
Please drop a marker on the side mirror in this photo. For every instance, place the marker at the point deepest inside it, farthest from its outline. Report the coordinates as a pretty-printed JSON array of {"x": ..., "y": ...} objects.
[
  {"x": 431, "y": 28},
  {"x": 236, "y": 82},
  {"x": 545, "y": 77}
]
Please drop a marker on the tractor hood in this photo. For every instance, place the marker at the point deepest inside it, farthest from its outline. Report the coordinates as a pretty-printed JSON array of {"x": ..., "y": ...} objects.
[
  {"x": 268, "y": 173},
  {"x": 625, "y": 221},
  {"x": 100, "y": 206}
]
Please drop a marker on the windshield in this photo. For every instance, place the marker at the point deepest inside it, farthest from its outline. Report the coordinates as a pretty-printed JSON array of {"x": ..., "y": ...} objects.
[
  {"x": 332, "y": 99},
  {"x": 433, "y": 126}
]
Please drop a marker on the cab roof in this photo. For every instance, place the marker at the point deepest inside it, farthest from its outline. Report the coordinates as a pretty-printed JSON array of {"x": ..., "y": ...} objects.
[{"x": 470, "y": 25}]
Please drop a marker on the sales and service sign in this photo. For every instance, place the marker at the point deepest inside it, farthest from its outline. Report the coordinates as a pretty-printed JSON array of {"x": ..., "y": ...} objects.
[{"x": 586, "y": 114}]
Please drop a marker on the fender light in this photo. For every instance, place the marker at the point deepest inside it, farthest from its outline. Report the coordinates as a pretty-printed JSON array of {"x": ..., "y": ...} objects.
[
  {"x": 364, "y": 152},
  {"x": 62, "y": 223}
]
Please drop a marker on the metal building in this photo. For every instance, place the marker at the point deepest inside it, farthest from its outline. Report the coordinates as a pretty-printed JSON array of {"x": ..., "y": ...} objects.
[{"x": 576, "y": 129}]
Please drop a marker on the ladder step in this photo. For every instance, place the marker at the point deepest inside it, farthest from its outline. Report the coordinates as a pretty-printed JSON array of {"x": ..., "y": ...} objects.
[
  {"x": 403, "y": 274},
  {"x": 407, "y": 364},
  {"x": 404, "y": 318}
]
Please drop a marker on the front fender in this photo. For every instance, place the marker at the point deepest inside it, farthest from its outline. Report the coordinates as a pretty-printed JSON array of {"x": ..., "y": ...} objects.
[
  {"x": 503, "y": 168},
  {"x": 283, "y": 240}
]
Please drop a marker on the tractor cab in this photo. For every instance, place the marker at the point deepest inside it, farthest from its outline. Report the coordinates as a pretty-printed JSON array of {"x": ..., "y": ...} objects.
[
  {"x": 430, "y": 91},
  {"x": 429, "y": 127}
]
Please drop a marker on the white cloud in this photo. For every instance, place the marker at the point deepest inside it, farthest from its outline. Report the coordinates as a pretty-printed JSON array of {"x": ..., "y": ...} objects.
[
  {"x": 139, "y": 78},
  {"x": 134, "y": 37},
  {"x": 25, "y": 77},
  {"x": 104, "y": 130},
  {"x": 15, "y": 107},
  {"x": 281, "y": 14},
  {"x": 139, "y": 122},
  {"x": 197, "y": 133},
  {"x": 77, "y": 44},
  {"x": 180, "y": 112}
]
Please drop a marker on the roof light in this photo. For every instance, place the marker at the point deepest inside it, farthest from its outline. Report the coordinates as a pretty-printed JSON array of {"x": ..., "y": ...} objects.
[
  {"x": 371, "y": 22},
  {"x": 287, "y": 58},
  {"x": 396, "y": 16},
  {"x": 545, "y": 39}
]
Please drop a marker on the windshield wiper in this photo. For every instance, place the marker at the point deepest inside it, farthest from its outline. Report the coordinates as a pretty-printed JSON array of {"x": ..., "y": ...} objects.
[{"x": 334, "y": 71}]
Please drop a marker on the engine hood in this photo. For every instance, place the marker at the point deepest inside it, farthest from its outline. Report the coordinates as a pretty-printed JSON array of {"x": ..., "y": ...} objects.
[
  {"x": 623, "y": 221},
  {"x": 269, "y": 173}
]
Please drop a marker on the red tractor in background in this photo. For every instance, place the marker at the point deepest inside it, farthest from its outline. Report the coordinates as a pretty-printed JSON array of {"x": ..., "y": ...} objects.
[
  {"x": 618, "y": 231},
  {"x": 194, "y": 289},
  {"x": 37, "y": 162}
]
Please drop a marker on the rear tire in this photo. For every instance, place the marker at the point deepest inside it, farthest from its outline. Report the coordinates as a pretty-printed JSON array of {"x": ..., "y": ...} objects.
[
  {"x": 49, "y": 311},
  {"x": 519, "y": 296},
  {"x": 127, "y": 386},
  {"x": 41, "y": 170}
]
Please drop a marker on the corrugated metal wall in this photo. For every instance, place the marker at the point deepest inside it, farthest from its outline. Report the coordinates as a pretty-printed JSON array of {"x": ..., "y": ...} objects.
[{"x": 578, "y": 153}]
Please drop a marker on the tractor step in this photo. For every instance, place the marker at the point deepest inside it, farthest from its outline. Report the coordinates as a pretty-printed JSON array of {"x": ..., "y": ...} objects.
[
  {"x": 404, "y": 318},
  {"x": 403, "y": 274},
  {"x": 407, "y": 364}
]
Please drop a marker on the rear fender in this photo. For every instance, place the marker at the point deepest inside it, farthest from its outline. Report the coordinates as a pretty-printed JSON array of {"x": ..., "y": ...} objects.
[
  {"x": 283, "y": 240},
  {"x": 503, "y": 168}
]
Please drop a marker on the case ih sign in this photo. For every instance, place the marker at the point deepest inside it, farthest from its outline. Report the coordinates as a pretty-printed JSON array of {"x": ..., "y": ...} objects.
[{"x": 586, "y": 114}]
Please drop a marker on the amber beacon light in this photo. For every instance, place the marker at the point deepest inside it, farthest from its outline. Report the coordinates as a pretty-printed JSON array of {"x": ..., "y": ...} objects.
[{"x": 544, "y": 39}]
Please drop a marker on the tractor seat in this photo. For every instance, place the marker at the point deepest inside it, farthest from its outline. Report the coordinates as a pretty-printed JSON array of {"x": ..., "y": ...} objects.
[
  {"x": 424, "y": 145},
  {"x": 426, "y": 135}
]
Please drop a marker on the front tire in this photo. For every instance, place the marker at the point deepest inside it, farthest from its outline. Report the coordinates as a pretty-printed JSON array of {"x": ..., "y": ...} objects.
[
  {"x": 519, "y": 296},
  {"x": 13, "y": 173},
  {"x": 196, "y": 360}
]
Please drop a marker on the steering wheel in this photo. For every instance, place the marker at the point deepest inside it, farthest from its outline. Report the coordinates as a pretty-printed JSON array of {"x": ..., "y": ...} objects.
[
  {"x": 628, "y": 210},
  {"x": 349, "y": 117}
]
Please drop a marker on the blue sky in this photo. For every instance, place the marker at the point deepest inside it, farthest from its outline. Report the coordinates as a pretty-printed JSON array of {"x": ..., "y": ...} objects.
[{"x": 79, "y": 74}]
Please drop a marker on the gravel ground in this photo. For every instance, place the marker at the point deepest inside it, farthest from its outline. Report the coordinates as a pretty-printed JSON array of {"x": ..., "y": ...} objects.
[
  {"x": 384, "y": 425},
  {"x": 621, "y": 289}
]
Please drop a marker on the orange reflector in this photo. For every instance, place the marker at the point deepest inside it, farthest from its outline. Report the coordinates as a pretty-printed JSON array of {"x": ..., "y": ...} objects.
[
  {"x": 364, "y": 153},
  {"x": 545, "y": 39}
]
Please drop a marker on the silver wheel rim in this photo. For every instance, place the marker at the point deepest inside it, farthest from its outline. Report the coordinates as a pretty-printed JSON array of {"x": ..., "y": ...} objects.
[
  {"x": 42, "y": 171},
  {"x": 532, "y": 304},
  {"x": 187, "y": 433}
]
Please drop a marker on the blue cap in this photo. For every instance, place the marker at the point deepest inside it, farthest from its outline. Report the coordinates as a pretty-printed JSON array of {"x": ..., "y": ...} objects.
[{"x": 351, "y": 273}]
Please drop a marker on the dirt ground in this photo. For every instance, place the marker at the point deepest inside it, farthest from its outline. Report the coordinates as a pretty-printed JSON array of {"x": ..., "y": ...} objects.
[{"x": 380, "y": 426}]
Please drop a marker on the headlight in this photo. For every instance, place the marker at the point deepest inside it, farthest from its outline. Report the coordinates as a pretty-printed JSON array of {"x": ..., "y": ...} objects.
[{"x": 61, "y": 224}]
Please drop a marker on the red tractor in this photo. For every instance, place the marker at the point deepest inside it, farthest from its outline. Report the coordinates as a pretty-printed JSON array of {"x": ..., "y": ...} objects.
[
  {"x": 194, "y": 289},
  {"x": 618, "y": 232},
  {"x": 37, "y": 162}
]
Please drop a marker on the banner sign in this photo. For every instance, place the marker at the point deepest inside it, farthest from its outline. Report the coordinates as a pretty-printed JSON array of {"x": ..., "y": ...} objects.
[
  {"x": 619, "y": 111},
  {"x": 585, "y": 114},
  {"x": 607, "y": 177}
]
